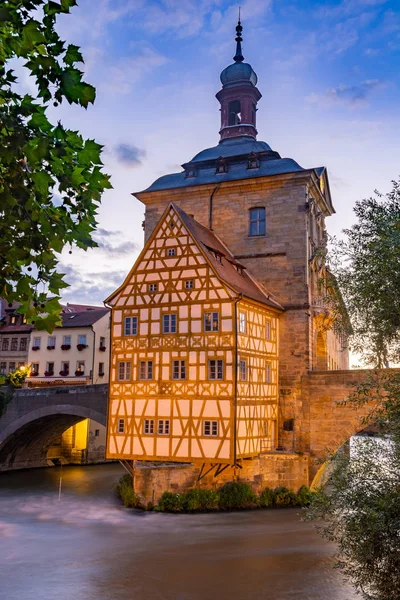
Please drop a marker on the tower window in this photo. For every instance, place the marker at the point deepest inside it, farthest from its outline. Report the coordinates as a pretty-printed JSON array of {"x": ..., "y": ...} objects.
[
  {"x": 221, "y": 166},
  {"x": 234, "y": 110},
  {"x": 257, "y": 221}
]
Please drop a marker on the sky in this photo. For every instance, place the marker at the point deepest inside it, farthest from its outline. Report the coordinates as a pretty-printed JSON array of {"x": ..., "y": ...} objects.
[{"x": 329, "y": 73}]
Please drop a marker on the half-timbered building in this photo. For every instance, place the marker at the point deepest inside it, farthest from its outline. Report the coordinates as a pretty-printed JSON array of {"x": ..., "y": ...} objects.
[{"x": 187, "y": 313}]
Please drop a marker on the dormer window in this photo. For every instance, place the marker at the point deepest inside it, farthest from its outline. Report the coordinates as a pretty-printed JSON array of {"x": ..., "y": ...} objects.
[
  {"x": 221, "y": 166},
  {"x": 13, "y": 320},
  {"x": 190, "y": 173},
  {"x": 253, "y": 162},
  {"x": 234, "y": 109}
]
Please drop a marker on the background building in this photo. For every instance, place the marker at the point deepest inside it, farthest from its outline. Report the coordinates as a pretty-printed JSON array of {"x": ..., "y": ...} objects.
[
  {"x": 14, "y": 338},
  {"x": 76, "y": 353}
]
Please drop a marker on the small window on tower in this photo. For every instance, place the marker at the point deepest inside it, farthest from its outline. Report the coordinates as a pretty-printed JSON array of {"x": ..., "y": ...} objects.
[
  {"x": 234, "y": 109},
  {"x": 221, "y": 166}
]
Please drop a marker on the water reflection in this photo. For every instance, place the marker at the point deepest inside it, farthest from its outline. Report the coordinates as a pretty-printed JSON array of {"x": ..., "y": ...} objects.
[{"x": 87, "y": 546}]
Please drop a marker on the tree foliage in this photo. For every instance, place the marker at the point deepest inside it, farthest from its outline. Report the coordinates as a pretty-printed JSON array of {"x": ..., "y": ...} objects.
[
  {"x": 360, "y": 509},
  {"x": 50, "y": 177},
  {"x": 367, "y": 267}
]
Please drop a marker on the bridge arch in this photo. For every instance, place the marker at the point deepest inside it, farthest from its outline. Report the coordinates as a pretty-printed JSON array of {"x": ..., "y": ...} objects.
[{"x": 35, "y": 420}]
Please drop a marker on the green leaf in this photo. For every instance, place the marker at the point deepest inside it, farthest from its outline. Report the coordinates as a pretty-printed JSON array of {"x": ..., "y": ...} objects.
[{"x": 73, "y": 55}]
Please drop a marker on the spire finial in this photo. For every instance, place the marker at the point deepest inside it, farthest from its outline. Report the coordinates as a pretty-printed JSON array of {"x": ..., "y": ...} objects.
[{"x": 238, "y": 39}]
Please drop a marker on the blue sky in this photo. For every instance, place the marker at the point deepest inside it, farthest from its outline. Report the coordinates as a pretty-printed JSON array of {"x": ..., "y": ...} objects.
[{"x": 328, "y": 71}]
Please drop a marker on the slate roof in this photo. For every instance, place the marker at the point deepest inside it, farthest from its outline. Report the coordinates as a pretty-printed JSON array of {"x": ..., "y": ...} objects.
[
  {"x": 84, "y": 318},
  {"x": 235, "y": 153},
  {"x": 227, "y": 269}
]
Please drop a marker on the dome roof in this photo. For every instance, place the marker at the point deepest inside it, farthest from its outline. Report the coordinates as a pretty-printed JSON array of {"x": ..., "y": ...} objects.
[{"x": 238, "y": 72}]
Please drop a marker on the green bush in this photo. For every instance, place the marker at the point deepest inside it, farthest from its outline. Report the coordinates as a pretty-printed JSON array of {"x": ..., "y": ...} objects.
[
  {"x": 172, "y": 502},
  {"x": 304, "y": 496},
  {"x": 267, "y": 498},
  {"x": 126, "y": 492},
  {"x": 236, "y": 495},
  {"x": 284, "y": 497},
  {"x": 201, "y": 500}
]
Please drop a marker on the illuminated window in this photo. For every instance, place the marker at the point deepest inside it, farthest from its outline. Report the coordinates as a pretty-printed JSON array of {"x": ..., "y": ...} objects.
[
  {"x": 80, "y": 368},
  {"x": 210, "y": 428},
  {"x": 148, "y": 426},
  {"x": 178, "y": 369},
  {"x": 130, "y": 326},
  {"x": 169, "y": 323},
  {"x": 242, "y": 322},
  {"x": 189, "y": 284},
  {"x": 211, "y": 321},
  {"x": 257, "y": 221},
  {"x": 268, "y": 330},
  {"x": 215, "y": 369},
  {"x": 243, "y": 370},
  {"x": 268, "y": 372},
  {"x": 171, "y": 252},
  {"x": 146, "y": 369},
  {"x": 14, "y": 344},
  {"x": 124, "y": 371},
  {"x": 163, "y": 427},
  {"x": 121, "y": 425},
  {"x": 13, "y": 320},
  {"x": 152, "y": 287}
]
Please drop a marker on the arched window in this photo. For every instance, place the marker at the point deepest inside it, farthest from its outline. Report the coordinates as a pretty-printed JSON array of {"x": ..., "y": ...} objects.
[
  {"x": 257, "y": 221},
  {"x": 234, "y": 110}
]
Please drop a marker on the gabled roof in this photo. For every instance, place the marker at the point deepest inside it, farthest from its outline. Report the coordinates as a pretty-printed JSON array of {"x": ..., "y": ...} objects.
[
  {"x": 227, "y": 268},
  {"x": 83, "y": 318}
]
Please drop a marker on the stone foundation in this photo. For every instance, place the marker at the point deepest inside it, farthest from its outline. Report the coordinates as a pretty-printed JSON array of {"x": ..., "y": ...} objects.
[{"x": 267, "y": 470}]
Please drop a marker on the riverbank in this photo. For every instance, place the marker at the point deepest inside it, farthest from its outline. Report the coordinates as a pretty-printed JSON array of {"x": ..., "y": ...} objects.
[
  {"x": 89, "y": 546},
  {"x": 232, "y": 496}
]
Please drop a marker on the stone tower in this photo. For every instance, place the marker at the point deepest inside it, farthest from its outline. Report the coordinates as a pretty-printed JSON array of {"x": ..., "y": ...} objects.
[{"x": 270, "y": 212}]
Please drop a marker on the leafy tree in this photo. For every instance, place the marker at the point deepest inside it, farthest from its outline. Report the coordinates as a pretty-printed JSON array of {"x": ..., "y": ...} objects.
[
  {"x": 50, "y": 177},
  {"x": 367, "y": 267},
  {"x": 360, "y": 509}
]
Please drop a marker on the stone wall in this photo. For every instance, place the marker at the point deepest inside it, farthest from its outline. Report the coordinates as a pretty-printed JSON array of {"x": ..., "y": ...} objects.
[{"x": 269, "y": 470}]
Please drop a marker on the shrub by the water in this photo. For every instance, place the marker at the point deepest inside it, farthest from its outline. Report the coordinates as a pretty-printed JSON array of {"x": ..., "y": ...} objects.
[
  {"x": 126, "y": 492},
  {"x": 304, "y": 496},
  {"x": 266, "y": 498},
  {"x": 172, "y": 502},
  {"x": 201, "y": 500},
  {"x": 284, "y": 497},
  {"x": 236, "y": 495}
]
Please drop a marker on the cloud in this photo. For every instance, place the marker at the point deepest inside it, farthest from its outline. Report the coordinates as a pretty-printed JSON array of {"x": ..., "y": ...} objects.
[
  {"x": 350, "y": 95},
  {"x": 129, "y": 154},
  {"x": 119, "y": 251},
  {"x": 91, "y": 288},
  {"x": 122, "y": 78}
]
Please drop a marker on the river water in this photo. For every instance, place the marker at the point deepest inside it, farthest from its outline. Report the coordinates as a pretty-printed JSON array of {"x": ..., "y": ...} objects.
[{"x": 88, "y": 547}]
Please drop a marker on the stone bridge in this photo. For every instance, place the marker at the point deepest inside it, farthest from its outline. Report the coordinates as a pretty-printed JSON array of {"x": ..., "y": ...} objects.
[
  {"x": 326, "y": 425},
  {"x": 35, "y": 418}
]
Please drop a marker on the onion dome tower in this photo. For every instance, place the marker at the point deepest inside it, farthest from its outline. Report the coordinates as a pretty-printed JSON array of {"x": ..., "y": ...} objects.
[{"x": 239, "y": 96}]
